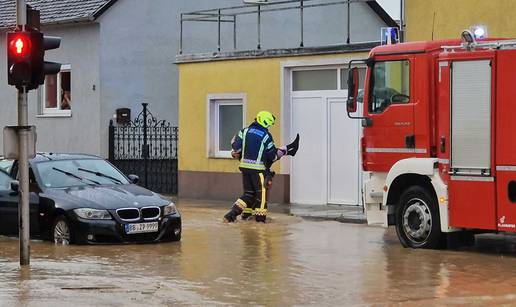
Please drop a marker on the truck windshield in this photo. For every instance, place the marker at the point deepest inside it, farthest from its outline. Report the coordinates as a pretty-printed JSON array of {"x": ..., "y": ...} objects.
[{"x": 390, "y": 84}]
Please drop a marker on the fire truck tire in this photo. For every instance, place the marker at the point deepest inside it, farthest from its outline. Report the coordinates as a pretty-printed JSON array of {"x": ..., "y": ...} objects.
[{"x": 417, "y": 219}]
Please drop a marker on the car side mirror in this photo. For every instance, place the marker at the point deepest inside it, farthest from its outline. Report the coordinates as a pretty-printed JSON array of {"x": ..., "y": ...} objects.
[
  {"x": 15, "y": 186},
  {"x": 352, "y": 90},
  {"x": 133, "y": 178}
]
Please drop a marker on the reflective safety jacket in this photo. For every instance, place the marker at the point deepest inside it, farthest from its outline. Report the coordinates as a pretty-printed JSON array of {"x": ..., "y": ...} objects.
[{"x": 256, "y": 147}]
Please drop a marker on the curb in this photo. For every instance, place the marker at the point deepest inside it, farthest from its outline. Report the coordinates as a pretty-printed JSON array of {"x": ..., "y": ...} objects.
[{"x": 350, "y": 216}]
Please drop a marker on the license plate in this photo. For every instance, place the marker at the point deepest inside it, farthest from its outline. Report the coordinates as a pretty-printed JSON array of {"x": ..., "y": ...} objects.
[{"x": 141, "y": 227}]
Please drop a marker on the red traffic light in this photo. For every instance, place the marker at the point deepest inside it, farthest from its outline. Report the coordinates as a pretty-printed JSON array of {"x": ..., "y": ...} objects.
[{"x": 20, "y": 45}]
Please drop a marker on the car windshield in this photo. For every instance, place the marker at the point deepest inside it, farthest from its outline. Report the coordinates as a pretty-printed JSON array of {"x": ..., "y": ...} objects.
[
  {"x": 6, "y": 165},
  {"x": 79, "y": 172}
]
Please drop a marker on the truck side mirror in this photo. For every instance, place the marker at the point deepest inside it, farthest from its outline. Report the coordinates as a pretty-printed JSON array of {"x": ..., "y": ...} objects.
[{"x": 352, "y": 90}]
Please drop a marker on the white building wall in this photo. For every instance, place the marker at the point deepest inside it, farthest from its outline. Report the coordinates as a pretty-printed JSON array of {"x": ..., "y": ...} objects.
[{"x": 80, "y": 132}]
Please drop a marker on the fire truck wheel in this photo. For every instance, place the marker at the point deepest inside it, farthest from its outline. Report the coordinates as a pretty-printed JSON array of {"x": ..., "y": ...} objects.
[{"x": 417, "y": 219}]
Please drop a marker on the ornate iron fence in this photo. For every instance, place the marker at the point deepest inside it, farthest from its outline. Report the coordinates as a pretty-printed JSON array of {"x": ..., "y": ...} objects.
[{"x": 146, "y": 147}]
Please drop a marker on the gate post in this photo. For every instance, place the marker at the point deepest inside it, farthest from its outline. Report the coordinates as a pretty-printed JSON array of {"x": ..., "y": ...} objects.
[
  {"x": 111, "y": 142},
  {"x": 145, "y": 148}
]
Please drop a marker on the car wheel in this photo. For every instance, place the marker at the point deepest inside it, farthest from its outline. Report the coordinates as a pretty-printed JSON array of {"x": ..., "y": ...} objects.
[
  {"x": 417, "y": 219},
  {"x": 61, "y": 231}
]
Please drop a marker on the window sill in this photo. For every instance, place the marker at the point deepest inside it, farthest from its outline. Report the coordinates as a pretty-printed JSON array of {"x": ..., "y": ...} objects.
[
  {"x": 221, "y": 156},
  {"x": 56, "y": 114}
]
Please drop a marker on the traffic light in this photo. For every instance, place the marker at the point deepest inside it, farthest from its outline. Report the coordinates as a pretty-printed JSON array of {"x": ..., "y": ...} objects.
[
  {"x": 40, "y": 67},
  {"x": 19, "y": 54},
  {"x": 26, "y": 65}
]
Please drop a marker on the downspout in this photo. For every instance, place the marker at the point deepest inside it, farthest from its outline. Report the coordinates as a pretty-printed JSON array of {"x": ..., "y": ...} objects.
[{"x": 402, "y": 21}]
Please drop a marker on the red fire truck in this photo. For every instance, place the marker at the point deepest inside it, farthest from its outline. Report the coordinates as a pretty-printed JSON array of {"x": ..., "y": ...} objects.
[{"x": 439, "y": 138}]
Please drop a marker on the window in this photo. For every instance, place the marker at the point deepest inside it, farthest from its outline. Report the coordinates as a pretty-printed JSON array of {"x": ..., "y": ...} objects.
[
  {"x": 226, "y": 118},
  {"x": 314, "y": 80},
  {"x": 344, "y": 78},
  {"x": 57, "y": 93},
  {"x": 6, "y": 165},
  {"x": 5, "y": 181},
  {"x": 390, "y": 83}
]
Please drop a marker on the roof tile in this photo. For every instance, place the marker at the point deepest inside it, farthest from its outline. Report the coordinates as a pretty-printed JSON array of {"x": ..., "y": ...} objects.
[{"x": 53, "y": 11}]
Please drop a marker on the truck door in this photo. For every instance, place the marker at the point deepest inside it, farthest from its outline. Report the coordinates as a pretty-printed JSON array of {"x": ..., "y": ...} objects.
[
  {"x": 389, "y": 135},
  {"x": 472, "y": 184}
]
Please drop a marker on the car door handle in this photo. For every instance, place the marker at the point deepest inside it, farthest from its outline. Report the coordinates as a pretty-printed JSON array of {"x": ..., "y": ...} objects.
[
  {"x": 443, "y": 144},
  {"x": 410, "y": 141}
]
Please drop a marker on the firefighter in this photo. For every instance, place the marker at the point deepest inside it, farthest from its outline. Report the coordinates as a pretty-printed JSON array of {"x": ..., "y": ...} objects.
[{"x": 255, "y": 148}]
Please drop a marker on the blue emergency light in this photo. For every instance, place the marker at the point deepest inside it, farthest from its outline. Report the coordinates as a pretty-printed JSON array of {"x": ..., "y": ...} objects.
[
  {"x": 479, "y": 32},
  {"x": 390, "y": 35}
]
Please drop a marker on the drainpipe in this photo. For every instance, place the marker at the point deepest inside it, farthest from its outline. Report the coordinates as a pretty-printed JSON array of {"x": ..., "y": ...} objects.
[{"x": 402, "y": 21}]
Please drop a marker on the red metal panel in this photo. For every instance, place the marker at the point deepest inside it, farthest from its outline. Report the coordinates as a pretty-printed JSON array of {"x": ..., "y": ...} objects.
[
  {"x": 388, "y": 133},
  {"x": 443, "y": 118},
  {"x": 506, "y": 94},
  {"x": 506, "y": 139},
  {"x": 391, "y": 127},
  {"x": 472, "y": 204},
  {"x": 424, "y": 102},
  {"x": 506, "y": 188}
]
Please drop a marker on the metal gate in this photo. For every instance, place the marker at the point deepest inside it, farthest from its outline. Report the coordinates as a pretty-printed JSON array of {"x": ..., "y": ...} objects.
[{"x": 146, "y": 147}]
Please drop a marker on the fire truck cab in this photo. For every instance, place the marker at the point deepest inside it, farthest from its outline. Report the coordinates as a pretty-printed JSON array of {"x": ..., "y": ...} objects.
[{"x": 439, "y": 138}]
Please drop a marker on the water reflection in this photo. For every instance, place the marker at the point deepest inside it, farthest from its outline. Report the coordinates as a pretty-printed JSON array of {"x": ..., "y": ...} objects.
[{"x": 287, "y": 262}]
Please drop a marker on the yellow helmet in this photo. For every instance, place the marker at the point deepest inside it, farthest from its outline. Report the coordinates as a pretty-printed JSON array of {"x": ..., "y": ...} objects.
[{"x": 265, "y": 119}]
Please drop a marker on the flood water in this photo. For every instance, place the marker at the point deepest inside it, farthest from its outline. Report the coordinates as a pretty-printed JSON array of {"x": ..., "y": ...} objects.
[{"x": 289, "y": 261}]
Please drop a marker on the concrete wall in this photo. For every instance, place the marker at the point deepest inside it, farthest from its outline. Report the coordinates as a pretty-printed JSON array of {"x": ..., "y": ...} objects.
[
  {"x": 80, "y": 132},
  {"x": 447, "y": 19}
]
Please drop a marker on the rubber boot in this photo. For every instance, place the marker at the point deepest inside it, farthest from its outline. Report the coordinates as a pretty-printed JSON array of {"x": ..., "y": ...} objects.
[
  {"x": 261, "y": 215},
  {"x": 231, "y": 216},
  {"x": 261, "y": 218},
  {"x": 247, "y": 213}
]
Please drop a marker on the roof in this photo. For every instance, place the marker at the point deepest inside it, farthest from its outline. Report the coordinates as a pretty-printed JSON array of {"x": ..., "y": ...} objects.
[
  {"x": 413, "y": 47},
  {"x": 274, "y": 53},
  {"x": 384, "y": 16},
  {"x": 56, "y": 12},
  {"x": 423, "y": 46}
]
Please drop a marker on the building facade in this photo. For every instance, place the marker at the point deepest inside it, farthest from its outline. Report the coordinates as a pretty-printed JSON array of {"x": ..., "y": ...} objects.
[
  {"x": 436, "y": 19},
  {"x": 116, "y": 54},
  {"x": 306, "y": 88}
]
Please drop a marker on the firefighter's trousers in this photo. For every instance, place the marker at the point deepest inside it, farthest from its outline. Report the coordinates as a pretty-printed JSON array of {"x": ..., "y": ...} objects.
[{"x": 254, "y": 199}]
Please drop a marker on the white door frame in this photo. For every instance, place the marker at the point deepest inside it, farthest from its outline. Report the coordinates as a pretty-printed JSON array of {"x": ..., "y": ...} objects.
[
  {"x": 286, "y": 68},
  {"x": 287, "y": 95}
]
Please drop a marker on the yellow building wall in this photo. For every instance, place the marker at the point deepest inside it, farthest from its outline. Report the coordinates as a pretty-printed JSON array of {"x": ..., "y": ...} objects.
[
  {"x": 259, "y": 79},
  {"x": 447, "y": 18}
]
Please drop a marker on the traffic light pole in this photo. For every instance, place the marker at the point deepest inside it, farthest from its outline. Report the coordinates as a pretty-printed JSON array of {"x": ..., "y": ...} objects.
[
  {"x": 23, "y": 161},
  {"x": 23, "y": 167}
]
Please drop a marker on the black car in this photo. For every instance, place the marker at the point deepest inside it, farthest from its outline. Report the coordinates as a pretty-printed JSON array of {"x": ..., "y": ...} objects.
[{"x": 83, "y": 199}]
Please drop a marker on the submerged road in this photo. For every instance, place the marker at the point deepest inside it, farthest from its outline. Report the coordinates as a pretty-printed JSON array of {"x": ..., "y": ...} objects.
[{"x": 289, "y": 261}]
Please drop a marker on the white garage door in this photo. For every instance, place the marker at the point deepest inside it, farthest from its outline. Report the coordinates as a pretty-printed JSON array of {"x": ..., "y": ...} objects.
[{"x": 326, "y": 168}]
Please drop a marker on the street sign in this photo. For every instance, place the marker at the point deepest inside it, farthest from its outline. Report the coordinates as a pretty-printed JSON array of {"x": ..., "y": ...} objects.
[{"x": 11, "y": 143}]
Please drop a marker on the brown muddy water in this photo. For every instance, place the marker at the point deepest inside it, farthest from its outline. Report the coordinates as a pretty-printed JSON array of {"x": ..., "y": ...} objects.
[{"x": 289, "y": 261}]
